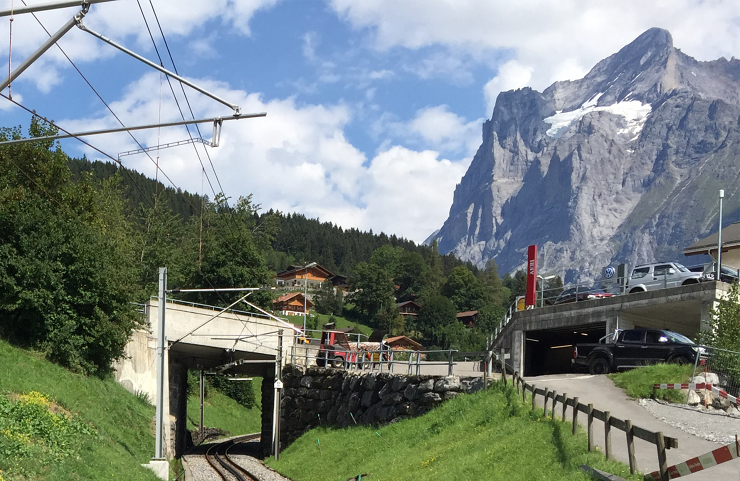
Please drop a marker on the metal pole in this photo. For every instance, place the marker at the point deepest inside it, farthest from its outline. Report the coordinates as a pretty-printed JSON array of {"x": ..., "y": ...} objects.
[
  {"x": 138, "y": 127},
  {"x": 48, "y": 6},
  {"x": 719, "y": 237},
  {"x": 202, "y": 396},
  {"x": 305, "y": 297},
  {"x": 159, "y": 414},
  {"x": 43, "y": 48},
  {"x": 237, "y": 110},
  {"x": 278, "y": 386}
]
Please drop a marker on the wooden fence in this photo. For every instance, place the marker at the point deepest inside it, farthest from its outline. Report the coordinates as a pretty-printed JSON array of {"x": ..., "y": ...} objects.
[{"x": 661, "y": 442}]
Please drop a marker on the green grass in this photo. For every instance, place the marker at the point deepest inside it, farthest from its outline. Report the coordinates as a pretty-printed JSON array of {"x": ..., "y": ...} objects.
[
  {"x": 638, "y": 383},
  {"x": 122, "y": 438},
  {"x": 488, "y": 435},
  {"x": 222, "y": 412},
  {"x": 343, "y": 323}
]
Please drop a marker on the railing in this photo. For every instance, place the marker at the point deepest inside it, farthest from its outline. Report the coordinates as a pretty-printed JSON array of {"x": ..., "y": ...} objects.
[
  {"x": 397, "y": 361},
  {"x": 657, "y": 438}
]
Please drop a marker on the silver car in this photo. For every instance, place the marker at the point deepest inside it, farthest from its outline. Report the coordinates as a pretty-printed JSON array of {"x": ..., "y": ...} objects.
[{"x": 649, "y": 277}]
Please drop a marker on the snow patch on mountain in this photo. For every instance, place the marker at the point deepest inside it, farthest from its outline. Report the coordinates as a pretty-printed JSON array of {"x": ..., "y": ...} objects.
[{"x": 633, "y": 111}]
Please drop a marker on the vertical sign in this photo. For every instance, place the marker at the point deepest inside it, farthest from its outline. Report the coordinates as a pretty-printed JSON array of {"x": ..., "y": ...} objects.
[{"x": 531, "y": 294}]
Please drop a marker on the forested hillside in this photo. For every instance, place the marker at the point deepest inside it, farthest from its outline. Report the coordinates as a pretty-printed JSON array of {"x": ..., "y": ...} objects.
[{"x": 81, "y": 241}]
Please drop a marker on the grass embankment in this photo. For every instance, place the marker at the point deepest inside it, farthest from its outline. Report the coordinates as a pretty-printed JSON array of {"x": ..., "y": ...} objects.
[
  {"x": 56, "y": 425},
  {"x": 220, "y": 411},
  {"x": 488, "y": 435},
  {"x": 638, "y": 383},
  {"x": 343, "y": 322}
]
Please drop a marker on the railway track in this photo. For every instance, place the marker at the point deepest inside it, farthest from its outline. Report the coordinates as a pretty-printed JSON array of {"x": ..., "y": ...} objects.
[{"x": 219, "y": 459}]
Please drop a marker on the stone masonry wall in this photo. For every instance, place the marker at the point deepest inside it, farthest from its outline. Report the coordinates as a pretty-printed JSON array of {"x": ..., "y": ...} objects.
[{"x": 316, "y": 395}]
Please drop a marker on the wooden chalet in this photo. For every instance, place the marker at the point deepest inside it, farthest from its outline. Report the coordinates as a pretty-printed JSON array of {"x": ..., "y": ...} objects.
[
  {"x": 298, "y": 276},
  {"x": 292, "y": 304},
  {"x": 408, "y": 309},
  {"x": 467, "y": 317}
]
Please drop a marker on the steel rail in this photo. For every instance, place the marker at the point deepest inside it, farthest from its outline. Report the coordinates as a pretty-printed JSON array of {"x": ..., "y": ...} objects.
[{"x": 226, "y": 463}]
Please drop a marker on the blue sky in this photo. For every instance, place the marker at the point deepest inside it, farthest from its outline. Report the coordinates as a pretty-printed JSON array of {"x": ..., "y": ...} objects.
[{"x": 374, "y": 108}]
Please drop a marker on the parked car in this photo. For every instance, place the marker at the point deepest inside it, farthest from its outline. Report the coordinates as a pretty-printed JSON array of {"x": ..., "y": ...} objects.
[
  {"x": 649, "y": 277},
  {"x": 578, "y": 294},
  {"x": 633, "y": 348},
  {"x": 727, "y": 274}
]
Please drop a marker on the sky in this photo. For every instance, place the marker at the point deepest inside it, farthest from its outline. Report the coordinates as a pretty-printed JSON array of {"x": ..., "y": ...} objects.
[{"x": 374, "y": 108}]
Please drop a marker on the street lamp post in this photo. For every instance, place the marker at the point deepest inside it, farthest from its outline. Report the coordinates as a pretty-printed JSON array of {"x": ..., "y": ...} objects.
[
  {"x": 305, "y": 292},
  {"x": 719, "y": 237}
]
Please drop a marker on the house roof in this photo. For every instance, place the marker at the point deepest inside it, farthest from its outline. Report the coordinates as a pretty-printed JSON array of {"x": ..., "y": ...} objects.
[
  {"x": 290, "y": 296},
  {"x": 404, "y": 339},
  {"x": 730, "y": 240},
  {"x": 406, "y": 303},
  {"x": 466, "y": 314},
  {"x": 296, "y": 269}
]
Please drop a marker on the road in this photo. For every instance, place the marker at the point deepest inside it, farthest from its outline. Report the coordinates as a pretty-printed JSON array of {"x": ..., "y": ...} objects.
[{"x": 605, "y": 396}]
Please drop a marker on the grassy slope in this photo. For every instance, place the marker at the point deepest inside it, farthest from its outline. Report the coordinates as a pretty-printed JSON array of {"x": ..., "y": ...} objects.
[
  {"x": 343, "y": 322},
  {"x": 125, "y": 438},
  {"x": 489, "y": 435},
  {"x": 222, "y": 412},
  {"x": 638, "y": 383}
]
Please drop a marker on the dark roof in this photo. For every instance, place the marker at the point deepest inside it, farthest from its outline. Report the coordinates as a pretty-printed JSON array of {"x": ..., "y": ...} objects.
[
  {"x": 403, "y": 339},
  {"x": 467, "y": 314},
  {"x": 289, "y": 296},
  {"x": 292, "y": 269},
  {"x": 407, "y": 302},
  {"x": 730, "y": 240}
]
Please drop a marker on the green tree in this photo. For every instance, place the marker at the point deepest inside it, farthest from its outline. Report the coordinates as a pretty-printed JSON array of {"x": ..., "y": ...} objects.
[
  {"x": 410, "y": 275},
  {"x": 517, "y": 286},
  {"x": 498, "y": 293},
  {"x": 465, "y": 291},
  {"x": 329, "y": 300},
  {"x": 372, "y": 289},
  {"x": 67, "y": 271},
  {"x": 436, "y": 319}
]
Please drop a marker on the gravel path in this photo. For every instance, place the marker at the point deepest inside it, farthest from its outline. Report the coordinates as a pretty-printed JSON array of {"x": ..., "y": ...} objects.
[{"x": 712, "y": 425}]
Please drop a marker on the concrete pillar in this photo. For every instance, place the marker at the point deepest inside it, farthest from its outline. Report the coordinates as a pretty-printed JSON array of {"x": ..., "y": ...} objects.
[
  {"x": 517, "y": 351},
  {"x": 178, "y": 410},
  {"x": 268, "y": 397}
]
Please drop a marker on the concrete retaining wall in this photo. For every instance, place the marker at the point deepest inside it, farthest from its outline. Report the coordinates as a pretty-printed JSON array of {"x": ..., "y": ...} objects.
[{"x": 333, "y": 396}]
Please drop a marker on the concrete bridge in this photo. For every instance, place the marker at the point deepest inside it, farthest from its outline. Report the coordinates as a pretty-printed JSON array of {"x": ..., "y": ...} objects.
[
  {"x": 541, "y": 340},
  {"x": 201, "y": 338}
]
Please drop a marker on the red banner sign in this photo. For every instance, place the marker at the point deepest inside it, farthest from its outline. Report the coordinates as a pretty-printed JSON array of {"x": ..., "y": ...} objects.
[{"x": 531, "y": 295}]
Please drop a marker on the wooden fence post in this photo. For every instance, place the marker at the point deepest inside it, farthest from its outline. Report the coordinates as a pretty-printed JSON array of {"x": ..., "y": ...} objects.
[
  {"x": 590, "y": 427},
  {"x": 575, "y": 414},
  {"x": 534, "y": 389},
  {"x": 554, "y": 398},
  {"x": 565, "y": 404},
  {"x": 662, "y": 461},
  {"x": 608, "y": 434},
  {"x": 516, "y": 381},
  {"x": 524, "y": 392},
  {"x": 631, "y": 446},
  {"x": 544, "y": 405}
]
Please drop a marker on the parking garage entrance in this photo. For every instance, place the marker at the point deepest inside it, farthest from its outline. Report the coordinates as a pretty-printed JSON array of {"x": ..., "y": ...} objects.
[{"x": 549, "y": 351}]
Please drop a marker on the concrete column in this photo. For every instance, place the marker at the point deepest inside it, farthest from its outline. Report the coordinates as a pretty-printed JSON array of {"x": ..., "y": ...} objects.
[
  {"x": 517, "y": 351},
  {"x": 268, "y": 397},
  {"x": 178, "y": 410}
]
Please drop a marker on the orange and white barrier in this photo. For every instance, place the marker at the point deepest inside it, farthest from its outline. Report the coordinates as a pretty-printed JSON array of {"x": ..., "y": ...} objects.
[
  {"x": 700, "y": 463},
  {"x": 700, "y": 385}
]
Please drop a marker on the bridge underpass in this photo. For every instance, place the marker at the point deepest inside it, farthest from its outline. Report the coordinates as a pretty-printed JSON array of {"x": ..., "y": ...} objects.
[
  {"x": 541, "y": 340},
  {"x": 201, "y": 338}
]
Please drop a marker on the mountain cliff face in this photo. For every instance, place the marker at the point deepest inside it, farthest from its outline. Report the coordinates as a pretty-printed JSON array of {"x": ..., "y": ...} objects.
[{"x": 623, "y": 165}]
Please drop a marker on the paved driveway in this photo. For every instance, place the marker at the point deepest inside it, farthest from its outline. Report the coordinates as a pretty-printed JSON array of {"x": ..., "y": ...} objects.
[{"x": 605, "y": 396}]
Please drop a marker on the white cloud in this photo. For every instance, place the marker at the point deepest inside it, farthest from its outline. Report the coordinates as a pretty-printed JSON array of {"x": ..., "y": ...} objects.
[
  {"x": 553, "y": 40},
  {"x": 121, "y": 22},
  {"x": 511, "y": 75},
  {"x": 297, "y": 159},
  {"x": 431, "y": 128}
]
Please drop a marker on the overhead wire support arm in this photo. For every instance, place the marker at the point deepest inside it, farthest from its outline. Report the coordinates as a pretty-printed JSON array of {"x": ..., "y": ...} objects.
[
  {"x": 237, "y": 110},
  {"x": 139, "y": 127},
  {"x": 44, "y": 47},
  {"x": 49, "y": 6}
]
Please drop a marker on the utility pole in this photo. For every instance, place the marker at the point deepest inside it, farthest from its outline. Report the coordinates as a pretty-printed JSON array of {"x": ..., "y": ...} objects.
[
  {"x": 159, "y": 414},
  {"x": 278, "y": 387},
  {"x": 719, "y": 237}
]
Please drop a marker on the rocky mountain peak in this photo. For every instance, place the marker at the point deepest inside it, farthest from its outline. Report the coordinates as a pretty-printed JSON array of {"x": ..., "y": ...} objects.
[{"x": 611, "y": 167}]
